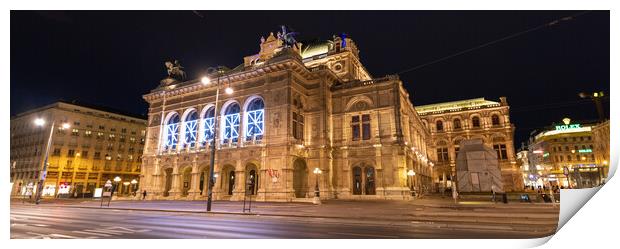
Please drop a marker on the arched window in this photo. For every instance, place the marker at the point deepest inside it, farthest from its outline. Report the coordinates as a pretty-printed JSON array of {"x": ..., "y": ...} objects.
[
  {"x": 191, "y": 128},
  {"x": 255, "y": 119},
  {"x": 172, "y": 132},
  {"x": 209, "y": 125},
  {"x": 475, "y": 122},
  {"x": 439, "y": 125},
  {"x": 495, "y": 120},
  {"x": 231, "y": 123},
  {"x": 457, "y": 124}
]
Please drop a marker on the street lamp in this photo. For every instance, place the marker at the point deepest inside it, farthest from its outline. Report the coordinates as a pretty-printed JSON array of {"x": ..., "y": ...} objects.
[
  {"x": 117, "y": 179},
  {"x": 206, "y": 81},
  {"x": 41, "y": 122},
  {"x": 411, "y": 173},
  {"x": 597, "y": 98},
  {"x": 317, "y": 173},
  {"x": 133, "y": 185}
]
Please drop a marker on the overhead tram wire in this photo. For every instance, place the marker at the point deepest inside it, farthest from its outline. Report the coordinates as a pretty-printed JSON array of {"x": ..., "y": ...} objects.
[{"x": 548, "y": 24}]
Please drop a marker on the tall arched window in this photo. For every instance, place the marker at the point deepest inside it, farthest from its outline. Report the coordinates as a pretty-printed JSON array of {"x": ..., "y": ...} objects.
[
  {"x": 457, "y": 124},
  {"x": 439, "y": 125},
  {"x": 231, "y": 123},
  {"x": 255, "y": 119},
  {"x": 495, "y": 119},
  {"x": 191, "y": 128},
  {"x": 209, "y": 125},
  {"x": 172, "y": 132},
  {"x": 475, "y": 121}
]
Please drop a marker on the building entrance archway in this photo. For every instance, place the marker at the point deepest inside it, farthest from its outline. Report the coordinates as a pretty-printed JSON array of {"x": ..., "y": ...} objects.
[
  {"x": 300, "y": 178},
  {"x": 228, "y": 179},
  {"x": 364, "y": 180}
]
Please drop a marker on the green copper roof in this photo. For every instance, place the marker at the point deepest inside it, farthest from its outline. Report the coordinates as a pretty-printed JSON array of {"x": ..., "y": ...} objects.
[{"x": 456, "y": 105}]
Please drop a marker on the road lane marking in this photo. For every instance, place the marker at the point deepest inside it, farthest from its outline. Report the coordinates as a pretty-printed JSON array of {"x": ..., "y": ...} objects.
[{"x": 89, "y": 233}]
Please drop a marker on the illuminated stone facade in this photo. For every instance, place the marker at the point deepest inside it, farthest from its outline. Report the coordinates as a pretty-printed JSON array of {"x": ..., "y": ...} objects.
[
  {"x": 293, "y": 110},
  {"x": 99, "y": 145},
  {"x": 451, "y": 122}
]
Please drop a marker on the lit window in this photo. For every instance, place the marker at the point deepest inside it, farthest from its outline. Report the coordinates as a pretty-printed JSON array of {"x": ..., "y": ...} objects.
[
  {"x": 172, "y": 132},
  {"x": 208, "y": 124},
  {"x": 255, "y": 119},
  {"x": 191, "y": 128},
  {"x": 231, "y": 123}
]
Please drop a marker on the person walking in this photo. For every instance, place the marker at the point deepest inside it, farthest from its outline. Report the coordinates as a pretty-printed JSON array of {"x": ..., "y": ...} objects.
[
  {"x": 144, "y": 195},
  {"x": 494, "y": 190}
]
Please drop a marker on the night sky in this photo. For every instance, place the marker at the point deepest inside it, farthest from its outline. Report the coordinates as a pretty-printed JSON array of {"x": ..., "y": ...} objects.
[{"x": 112, "y": 58}]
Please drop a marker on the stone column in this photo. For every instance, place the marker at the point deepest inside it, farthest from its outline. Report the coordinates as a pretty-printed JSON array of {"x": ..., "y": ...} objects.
[{"x": 175, "y": 190}]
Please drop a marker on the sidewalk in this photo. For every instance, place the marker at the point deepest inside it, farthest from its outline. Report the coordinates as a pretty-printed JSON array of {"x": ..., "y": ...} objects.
[{"x": 421, "y": 210}]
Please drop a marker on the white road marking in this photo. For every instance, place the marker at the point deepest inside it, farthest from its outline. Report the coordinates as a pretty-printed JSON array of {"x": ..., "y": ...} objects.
[
  {"x": 40, "y": 225},
  {"x": 365, "y": 235}
]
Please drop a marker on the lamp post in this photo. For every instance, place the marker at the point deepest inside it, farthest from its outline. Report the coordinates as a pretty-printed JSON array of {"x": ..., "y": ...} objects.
[
  {"x": 317, "y": 200},
  {"x": 597, "y": 98},
  {"x": 206, "y": 81},
  {"x": 411, "y": 173},
  {"x": 117, "y": 179},
  {"x": 43, "y": 174},
  {"x": 133, "y": 186}
]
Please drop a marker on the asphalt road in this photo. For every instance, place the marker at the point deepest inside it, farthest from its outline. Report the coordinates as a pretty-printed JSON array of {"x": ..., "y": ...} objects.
[{"x": 42, "y": 222}]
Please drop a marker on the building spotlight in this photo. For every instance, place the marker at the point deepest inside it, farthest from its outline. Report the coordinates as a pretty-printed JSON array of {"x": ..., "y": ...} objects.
[
  {"x": 39, "y": 122},
  {"x": 228, "y": 90},
  {"x": 205, "y": 80}
]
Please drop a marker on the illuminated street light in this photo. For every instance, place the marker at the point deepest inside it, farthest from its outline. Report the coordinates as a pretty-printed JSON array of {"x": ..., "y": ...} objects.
[
  {"x": 41, "y": 122},
  {"x": 317, "y": 172},
  {"x": 411, "y": 173},
  {"x": 228, "y": 90},
  {"x": 205, "y": 80}
]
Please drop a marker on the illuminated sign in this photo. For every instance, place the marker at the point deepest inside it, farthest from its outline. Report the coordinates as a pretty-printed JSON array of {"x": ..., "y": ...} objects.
[
  {"x": 538, "y": 152},
  {"x": 585, "y": 151},
  {"x": 567, "y": 127}
]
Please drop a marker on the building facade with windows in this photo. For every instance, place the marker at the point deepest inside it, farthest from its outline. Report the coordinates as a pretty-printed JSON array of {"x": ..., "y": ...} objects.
[
  {"x": 293, "y": 109},
  {"x": 451, "y": 122},
  {"x": 565, "y": 153},
  {"x": 600, "y": 134},
  {"x": 95, "y": 146}
]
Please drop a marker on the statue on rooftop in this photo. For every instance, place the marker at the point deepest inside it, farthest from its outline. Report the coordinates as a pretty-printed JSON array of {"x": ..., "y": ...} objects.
[
  {"x": 174, "y": 70},
  {"x": 287, "y": 37}
]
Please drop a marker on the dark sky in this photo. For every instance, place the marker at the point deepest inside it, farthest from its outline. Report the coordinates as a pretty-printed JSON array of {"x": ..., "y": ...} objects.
[{"x": 111, "y": 58}]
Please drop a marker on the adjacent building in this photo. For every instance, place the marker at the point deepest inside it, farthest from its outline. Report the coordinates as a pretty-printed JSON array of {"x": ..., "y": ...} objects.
[
  {"x": 89, "y": 145},
  {"x": 600, "y": 133},
  {"x": 565, "y": 153},
  {"x": 285, "y": 114},
  {"x": 451, "y": 122}
]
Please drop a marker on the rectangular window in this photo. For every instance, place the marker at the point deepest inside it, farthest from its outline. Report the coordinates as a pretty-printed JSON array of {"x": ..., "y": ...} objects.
[
  {"x": 69, "y": 164},
  {"x": 88, "y": 133},
  {"x": 71, "y": 153},
  {"x": 298, "y": 126},
  {"x": 56, "y": 152},
  {"x": 569, "y": 158},
  {"x": 501, "y": 151},
  {"x": 75, "y": 132},
  {"x": 561, "y": 158},
  {"x": 442, "y": 155},
  {"x": 85, "y": 154},
  {"x": 97, "y": 155},
  {"x": 355, "y": 127},
  {"x": 366, "y": 127},
  {"x": 124, "y": 130}
]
